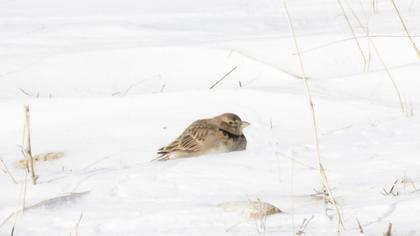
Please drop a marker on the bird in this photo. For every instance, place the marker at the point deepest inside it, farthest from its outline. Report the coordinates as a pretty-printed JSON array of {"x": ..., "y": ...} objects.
[{"x": 222, "y": 133}]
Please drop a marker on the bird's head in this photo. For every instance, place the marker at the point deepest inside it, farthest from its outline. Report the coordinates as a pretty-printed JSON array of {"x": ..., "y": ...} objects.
[{"x": 231, "y": 123}]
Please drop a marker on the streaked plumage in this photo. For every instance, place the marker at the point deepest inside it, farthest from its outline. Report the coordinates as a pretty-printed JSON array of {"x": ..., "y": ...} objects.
[{"x": 219, "y": 134}]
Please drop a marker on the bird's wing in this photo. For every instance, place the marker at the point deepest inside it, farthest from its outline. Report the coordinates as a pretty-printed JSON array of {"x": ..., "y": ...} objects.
[{"x": 192, "y": 139}]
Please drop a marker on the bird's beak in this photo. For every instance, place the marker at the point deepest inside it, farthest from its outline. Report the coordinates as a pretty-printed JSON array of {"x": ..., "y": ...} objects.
[{"x": 245, "y": 124}]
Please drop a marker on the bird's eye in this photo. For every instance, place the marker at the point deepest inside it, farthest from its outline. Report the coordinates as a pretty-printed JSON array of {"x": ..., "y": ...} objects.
[{"x": 231, "y": 122}]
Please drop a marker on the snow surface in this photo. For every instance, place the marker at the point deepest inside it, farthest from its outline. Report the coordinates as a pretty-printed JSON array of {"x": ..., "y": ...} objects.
[{"x": 109, "y": 82}]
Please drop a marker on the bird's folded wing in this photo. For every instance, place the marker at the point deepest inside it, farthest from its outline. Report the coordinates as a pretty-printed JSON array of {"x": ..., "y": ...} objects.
[{"x": 192, "y": 139}]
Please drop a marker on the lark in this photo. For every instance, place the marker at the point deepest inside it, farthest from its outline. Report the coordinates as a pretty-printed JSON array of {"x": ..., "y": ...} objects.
[{"x": 219, "y": 134}]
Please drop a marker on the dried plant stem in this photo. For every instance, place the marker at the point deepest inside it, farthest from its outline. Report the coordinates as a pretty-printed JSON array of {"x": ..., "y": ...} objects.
[
  {"x": 353, "y": 33},
  {"x": 7, "y": 171},
  {"x": 406, "y": 30},
  {"x": 76, "y": 230},
  {"x": 27, "y": 149},
  {"x": 20, "y": 206},
  {"x": 324, "y": 178},
  {"x": 378, "y": 54},
  {"x": 389, "y": 230},
  {"x": 360, "y": 226},
  {"x": 214, "y": 85}
]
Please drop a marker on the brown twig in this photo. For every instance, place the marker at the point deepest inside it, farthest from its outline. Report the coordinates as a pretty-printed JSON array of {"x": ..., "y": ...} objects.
[{"x": 234, "y": 68}]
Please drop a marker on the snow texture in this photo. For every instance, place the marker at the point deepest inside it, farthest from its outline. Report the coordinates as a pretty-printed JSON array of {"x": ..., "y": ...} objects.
[{"x": 109, "y": 82}]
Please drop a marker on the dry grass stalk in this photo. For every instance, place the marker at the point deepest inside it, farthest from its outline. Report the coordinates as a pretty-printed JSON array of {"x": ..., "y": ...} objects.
[
  {"x": 353, "y": 33},
  {"x": 26, "y": 147},
  {"x": 406, "y": 30},
  {"x": 360, "y": 226},
  {"x": 48, "y": 156},
  {"x": 226, "y": 75},
  {"x": 324, "y": 178},
  {"x": 389, "y": 231},
  {"x": 24, "y": 193},
  {"x": 7, "y": 171},
  {"x": 20, "y": 206},
  {"x": 303, "y": 226},
  {"x": 378, "y": 54},
  {"x": 366, "y": 29},
  {"x": 388, "y": 72},
  {"x": 392, "y": 190},
  {"x": 76, "y": 230}
]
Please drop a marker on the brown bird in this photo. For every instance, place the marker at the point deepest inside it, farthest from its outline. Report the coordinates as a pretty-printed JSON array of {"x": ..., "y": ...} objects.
[{"x": 219, "y": 134}]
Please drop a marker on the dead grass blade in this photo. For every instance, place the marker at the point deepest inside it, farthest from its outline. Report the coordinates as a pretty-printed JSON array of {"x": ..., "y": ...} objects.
[
  {"x": 226, "y": 75},
  {"x": 7, "y": 171}
]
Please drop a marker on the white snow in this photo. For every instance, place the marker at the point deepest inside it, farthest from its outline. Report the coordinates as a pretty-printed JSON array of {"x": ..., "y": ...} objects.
[{"x": 109, "y": 82}]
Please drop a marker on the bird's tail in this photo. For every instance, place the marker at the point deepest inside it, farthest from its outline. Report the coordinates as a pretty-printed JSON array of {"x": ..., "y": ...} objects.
[{"x": 163, "y": 157}]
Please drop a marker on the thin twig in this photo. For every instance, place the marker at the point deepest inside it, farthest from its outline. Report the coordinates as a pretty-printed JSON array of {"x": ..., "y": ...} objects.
[
  {"x": 315, "y": 126},
  {"x": 234, "y": 68},
  {"x": 7, "y": 171},
  {"x": 406, "y": 30}
]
